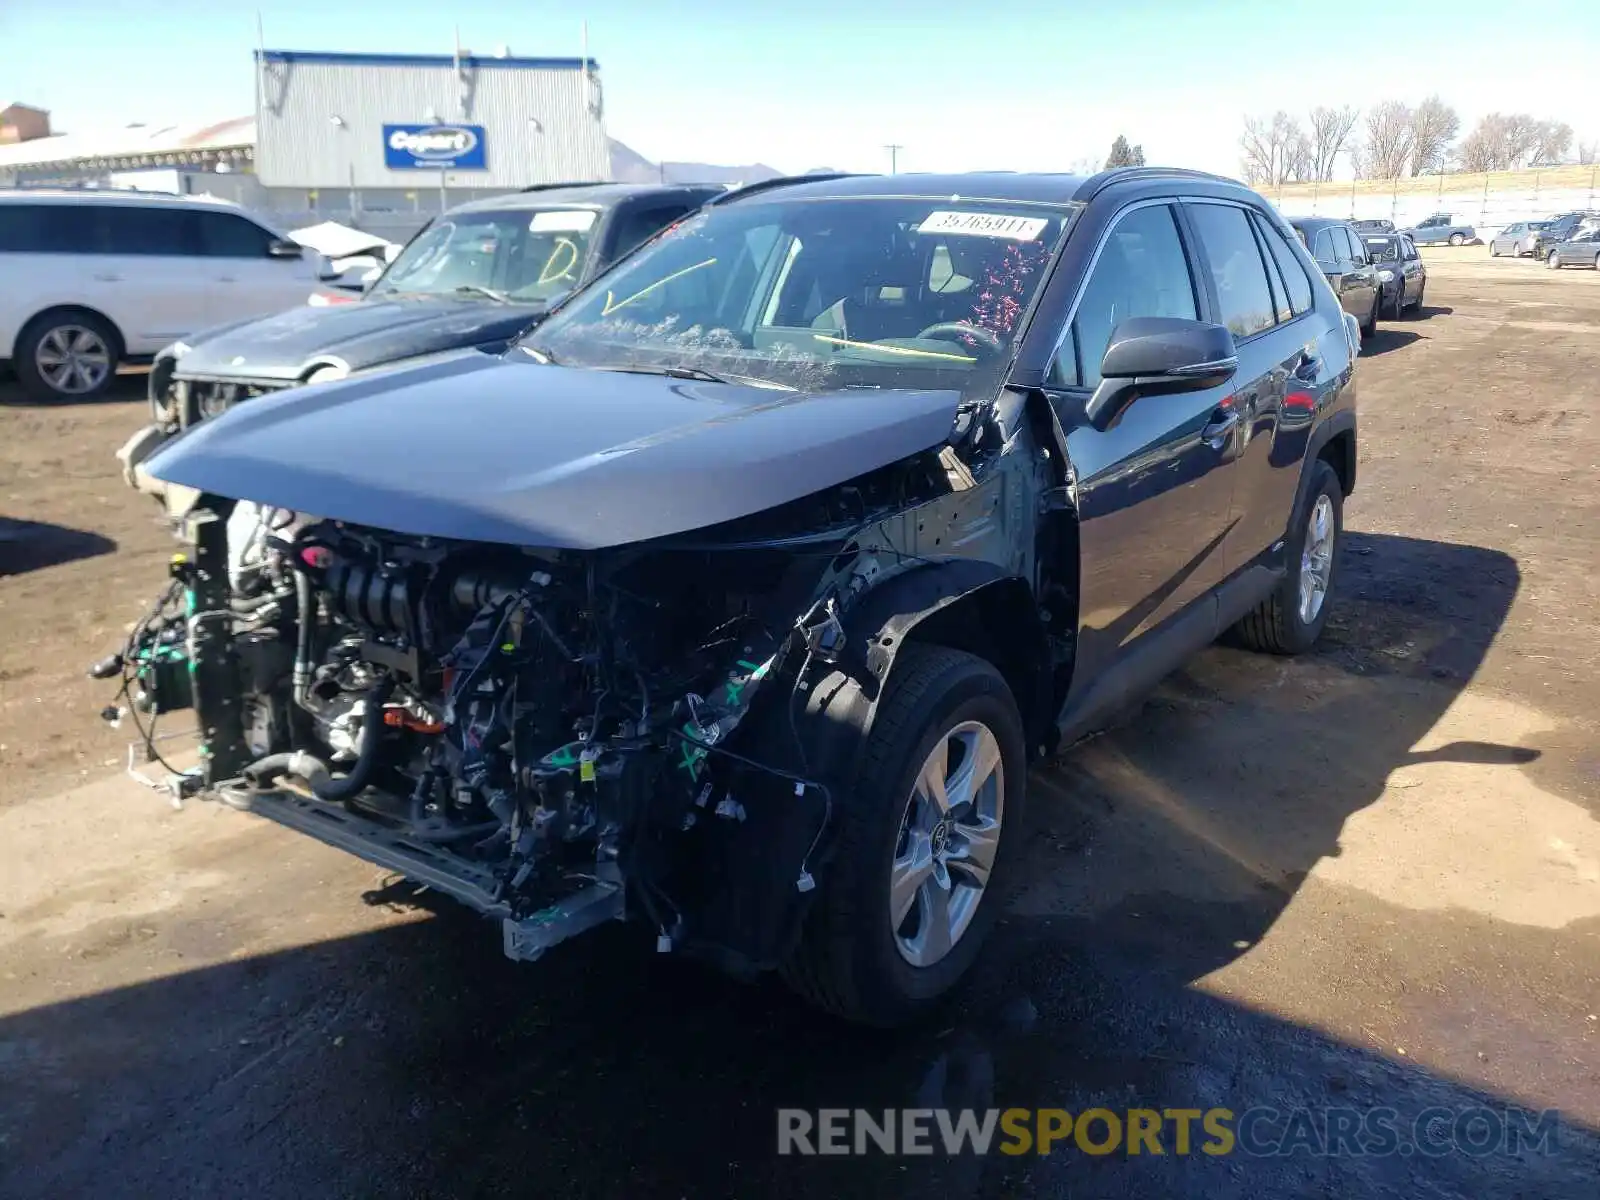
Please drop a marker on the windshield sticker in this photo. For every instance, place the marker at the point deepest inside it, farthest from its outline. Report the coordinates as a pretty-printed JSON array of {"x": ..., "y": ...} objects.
[
  {"x": 561, "y": 221},
  {"x": 976, "y": 224}
]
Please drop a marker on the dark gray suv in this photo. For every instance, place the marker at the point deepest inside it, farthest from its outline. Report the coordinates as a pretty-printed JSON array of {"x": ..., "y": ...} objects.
[
  {"x": 737, "y": 597},
  {"x": 1341, "y": 253}
]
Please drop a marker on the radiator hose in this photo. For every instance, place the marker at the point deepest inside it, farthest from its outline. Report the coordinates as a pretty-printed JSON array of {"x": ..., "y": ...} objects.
[{"x": 324, "y": 785}]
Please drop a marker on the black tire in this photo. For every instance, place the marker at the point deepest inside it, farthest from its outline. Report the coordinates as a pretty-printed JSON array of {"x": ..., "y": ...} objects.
[
  {"x": 1416, "y": 305},
  {"x": 1494, "y": 250},
  {"x": 55, "y": 325},
  {"x": 1370, "y": 325},
  {"x": 1553, "y": 261},
  {"x": 847, "y": 961},
  {"x": 1276, "y": 625},
  {"x": 1457, "y": 239},
  {"x": 1398, "y": 307}
]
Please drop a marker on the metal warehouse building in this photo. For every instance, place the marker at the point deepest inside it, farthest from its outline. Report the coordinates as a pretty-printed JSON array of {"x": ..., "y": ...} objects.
[{"x": 396, "y": 123}]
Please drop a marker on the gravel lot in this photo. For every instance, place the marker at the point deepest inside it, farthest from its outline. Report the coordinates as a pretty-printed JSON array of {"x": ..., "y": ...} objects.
[{"x": 1366, "y": 877}]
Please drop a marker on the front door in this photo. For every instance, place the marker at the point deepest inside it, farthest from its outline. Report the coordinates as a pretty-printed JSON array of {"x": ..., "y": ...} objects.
[{"x": 1154, "y": 490}]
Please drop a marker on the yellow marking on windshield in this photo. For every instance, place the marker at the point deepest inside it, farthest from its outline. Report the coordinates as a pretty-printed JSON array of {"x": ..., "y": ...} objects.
[
  {"x": 834, "y": 341},
  {"x": 550, "y": 274},
  {"x": 612, "y": 305}
]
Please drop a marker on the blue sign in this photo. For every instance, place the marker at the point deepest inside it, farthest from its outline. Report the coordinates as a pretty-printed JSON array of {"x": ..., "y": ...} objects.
[{"x": 434, "y": 147}]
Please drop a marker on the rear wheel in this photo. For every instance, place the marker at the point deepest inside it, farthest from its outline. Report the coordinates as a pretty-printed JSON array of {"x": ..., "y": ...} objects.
[
  {"x": 1494, "y": 248},
  {"x": 1416, "y": 305},
  {"x": 1553, "y": 261},
  {"x": 1290, "y": 620},
  {"x": 926, "y": 839},
  {"x": 67, "y": 355},
  {"x": 1457, "y": 239},
  {"x": 1370, "y": 325}
]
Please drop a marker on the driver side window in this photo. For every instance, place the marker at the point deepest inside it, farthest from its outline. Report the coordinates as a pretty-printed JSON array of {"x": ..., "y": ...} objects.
[{"x": 1142, "y": 271}]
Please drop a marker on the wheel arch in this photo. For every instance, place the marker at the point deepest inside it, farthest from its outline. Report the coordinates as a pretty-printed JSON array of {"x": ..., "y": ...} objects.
[
  {"x": 62, "y": 309},
  {"x": 961, "y": 604}
]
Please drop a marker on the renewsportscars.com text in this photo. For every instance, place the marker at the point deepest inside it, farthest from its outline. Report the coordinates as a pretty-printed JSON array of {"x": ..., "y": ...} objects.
[{"x": 1260, "y": 1131}]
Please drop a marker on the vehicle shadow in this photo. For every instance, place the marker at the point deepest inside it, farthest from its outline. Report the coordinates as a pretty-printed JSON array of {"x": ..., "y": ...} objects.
[
  {"x": 130, "y": 384},
  {"x": 1429, "y": 310},
  {"x": 1386, "y": 338},
  {"x": 34, "y": 545},
  {"x": 415, "y": 1061}
]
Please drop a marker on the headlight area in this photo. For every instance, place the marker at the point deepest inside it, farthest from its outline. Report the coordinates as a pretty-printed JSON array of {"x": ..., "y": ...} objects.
[{"x": 1386, "y": 276}]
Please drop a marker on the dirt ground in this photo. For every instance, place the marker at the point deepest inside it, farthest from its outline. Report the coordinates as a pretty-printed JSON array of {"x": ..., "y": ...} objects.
[{"x": 1368, "y": 877}]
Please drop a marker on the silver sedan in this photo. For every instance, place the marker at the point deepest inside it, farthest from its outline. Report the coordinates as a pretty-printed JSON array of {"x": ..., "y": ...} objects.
[
  {"x": 1517, "y": 239},
  {"x": 1582, "y": 249}
]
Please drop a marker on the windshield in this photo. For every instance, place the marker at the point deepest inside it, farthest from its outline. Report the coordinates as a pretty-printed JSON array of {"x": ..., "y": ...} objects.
[
  {"x": 1384, "y": 249},
  {"x": 1538, "y": 225},
  {"x": 881, "y": 292},
  {"x": 532, "y": 255}
]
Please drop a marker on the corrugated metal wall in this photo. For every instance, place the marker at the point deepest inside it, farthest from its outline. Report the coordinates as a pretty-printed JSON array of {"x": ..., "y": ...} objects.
[{"x": 542, "y": 123}]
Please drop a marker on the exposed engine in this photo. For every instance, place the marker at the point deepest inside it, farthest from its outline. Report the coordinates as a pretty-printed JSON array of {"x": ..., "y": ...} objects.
[{"x": 541, "y": 722}]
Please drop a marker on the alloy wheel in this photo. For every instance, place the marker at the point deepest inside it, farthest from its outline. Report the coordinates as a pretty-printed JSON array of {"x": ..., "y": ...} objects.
[
  {"x": 73, "y": 359},
  {"x": 946, "y": 847},
  {"x": 1316, "y": 559}
]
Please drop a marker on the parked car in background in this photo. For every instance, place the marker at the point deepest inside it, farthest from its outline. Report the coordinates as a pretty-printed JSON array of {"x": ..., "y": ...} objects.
[
  {"x": 738, "y": 597},
  {"x": 1342, "y": 255},
  {"x": 1373, "y": 225},
  {"x": 1441, "y": 228},
  {"x": 90, "y": 278},
  {"x": 1402, "y": 277},
  {"x": 1561, "y": 228},
  {"x": 1518, "y": 239},
  {"x": 1582, "y": 249},
  {"x": 474, "y": 277}
]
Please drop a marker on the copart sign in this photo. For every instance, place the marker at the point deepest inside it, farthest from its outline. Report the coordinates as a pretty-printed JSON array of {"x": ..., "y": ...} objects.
[{"x": 439, "y": 147}]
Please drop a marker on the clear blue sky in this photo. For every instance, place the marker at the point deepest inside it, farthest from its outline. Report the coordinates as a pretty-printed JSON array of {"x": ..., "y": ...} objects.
[{"x": 1023, "y": 84}]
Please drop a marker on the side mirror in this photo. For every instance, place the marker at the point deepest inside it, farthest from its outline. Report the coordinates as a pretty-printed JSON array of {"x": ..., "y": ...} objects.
[
  {"x": 283, "y": 248},
  {"x": 1154, "y": 356}
]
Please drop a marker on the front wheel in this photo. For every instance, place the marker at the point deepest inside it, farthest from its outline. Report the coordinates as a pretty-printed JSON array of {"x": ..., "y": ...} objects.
[
  {"x": 1553, "y": 261},
  {"x": 926, "y": 841},
  {"x": 1457, "y": 239},
  {"x": 1370, "y": 325},
  {"x": 1290, "y": 620},
  {"x": 1494, "y": 248}
]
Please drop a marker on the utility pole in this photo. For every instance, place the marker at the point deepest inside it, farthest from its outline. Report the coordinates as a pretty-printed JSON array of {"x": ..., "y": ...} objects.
[{"x": 894, "y": 149}]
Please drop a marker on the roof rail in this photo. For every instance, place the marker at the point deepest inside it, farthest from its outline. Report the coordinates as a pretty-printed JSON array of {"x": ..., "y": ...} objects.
[
  {"x": 545, "y": 187},
  {"x": 767, "y": 185},
  {"x": 1096, "y": 184}
]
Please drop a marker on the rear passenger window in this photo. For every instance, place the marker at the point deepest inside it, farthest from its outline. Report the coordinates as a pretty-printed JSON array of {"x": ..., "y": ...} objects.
[
  {"x": 51, "y": 229},
  {"x": 223, "y": 235},
  {"x": 1236, "y": 268},
  {"x": 1141, "y": 272},
  {"x": 1290, "y": 270},
  {"x": 1322, "y": 247},
  {"x": 136, "y": 230},
  {"x": 1355, "y": 251}
]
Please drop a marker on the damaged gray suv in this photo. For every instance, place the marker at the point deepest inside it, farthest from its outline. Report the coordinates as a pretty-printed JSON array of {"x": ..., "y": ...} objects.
[{"x": 738, "y": 597}]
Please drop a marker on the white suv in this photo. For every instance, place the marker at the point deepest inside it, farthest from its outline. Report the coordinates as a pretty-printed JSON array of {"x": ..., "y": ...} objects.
[{"x": 90, "y": 278}]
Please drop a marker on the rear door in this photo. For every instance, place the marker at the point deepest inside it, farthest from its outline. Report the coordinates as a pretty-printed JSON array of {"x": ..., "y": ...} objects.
[
  {"x": 45, "y": 260},
  {"x": 1281, "y": 373},
  {"x": 1363, "y": 275},
  {"x": 242, "y": 278},
  {"x": 1333, "y": 257},
  {"x": 1154, "y": 490}
]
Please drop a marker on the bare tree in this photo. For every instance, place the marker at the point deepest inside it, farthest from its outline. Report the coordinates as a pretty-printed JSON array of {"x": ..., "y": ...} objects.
[
  {"x": 1273, "y": 148},
  {"x": 1589, "y": 153},
  {"x": 1554, "y": 140},
  {"x": 1124, "y": 155},
  {"x": 1330, "y": 130},
  {"x": 1505, "y": 142},
  {"x": 1389, "y": 141},
  {"x": 1434, "y": 125}
]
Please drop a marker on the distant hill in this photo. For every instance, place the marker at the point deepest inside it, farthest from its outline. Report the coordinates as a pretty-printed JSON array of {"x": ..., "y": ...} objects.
[{"x": 629, "y": 166}]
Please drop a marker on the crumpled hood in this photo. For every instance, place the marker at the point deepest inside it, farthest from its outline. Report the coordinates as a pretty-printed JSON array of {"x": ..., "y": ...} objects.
[
  {"x": 362, "y": 334},
  {"x": 507, "y": 450}
]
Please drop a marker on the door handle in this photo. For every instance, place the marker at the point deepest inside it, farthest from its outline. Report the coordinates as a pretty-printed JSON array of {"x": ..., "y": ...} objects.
[
  {"x": 108, "y": 278},
  {"x": 227, "y": 279},
  {"x": 1222, "y": 423}
]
